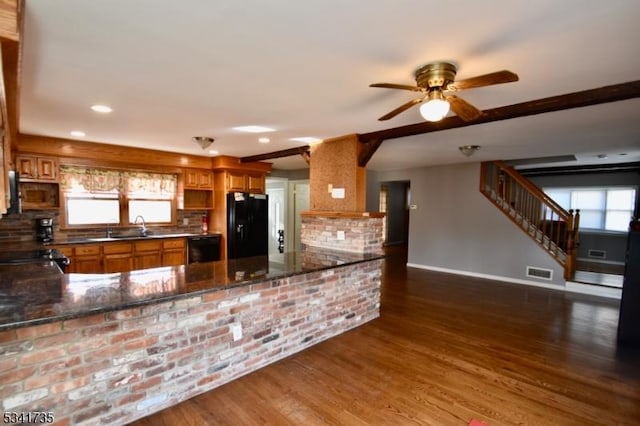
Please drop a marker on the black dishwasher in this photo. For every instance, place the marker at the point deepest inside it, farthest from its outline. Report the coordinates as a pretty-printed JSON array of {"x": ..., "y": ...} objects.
[{"x": 203, "y": 248}]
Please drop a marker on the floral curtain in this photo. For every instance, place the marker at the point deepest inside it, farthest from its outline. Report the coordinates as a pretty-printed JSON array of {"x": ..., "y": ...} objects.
[
  {"x": 150, "y": 185},
  {"x": 101, "y": 181},
  {"x": 80, "y": 179}
]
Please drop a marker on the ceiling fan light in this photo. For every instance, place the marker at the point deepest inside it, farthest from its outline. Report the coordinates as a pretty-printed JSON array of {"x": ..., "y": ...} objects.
[{"x": 436, "y": 108}]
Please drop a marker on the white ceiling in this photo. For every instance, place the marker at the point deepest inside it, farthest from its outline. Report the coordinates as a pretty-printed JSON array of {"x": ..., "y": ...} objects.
[{"x": 172, "y": 70}]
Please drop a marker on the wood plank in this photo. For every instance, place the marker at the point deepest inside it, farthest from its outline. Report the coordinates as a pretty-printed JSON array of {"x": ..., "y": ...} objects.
[
  {"x": 445, "y": 349},
  {"x": 94, "y": 153},
  {"x": 613, "y": 93},
  {"x": 10, "y": 19}
]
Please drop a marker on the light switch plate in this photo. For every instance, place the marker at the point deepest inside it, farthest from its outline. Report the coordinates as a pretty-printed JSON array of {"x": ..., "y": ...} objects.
[{"x": 340, "y": 236}]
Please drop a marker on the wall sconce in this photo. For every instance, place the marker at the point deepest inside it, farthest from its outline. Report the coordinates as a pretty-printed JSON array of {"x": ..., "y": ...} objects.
[
  {"x": 468, "y": 150},
  {"x": 203, "y": 141}
]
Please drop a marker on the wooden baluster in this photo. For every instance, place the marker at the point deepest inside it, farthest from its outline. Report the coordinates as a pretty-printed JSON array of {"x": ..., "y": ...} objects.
[{"x": 569, "y": 266}]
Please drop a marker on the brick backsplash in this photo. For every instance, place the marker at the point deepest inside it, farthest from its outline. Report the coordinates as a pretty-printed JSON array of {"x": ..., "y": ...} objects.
[
  {"x": 113, "y": 368},
  {"x": 22, "y": 227},
  {"x": 362, "y": 234}
]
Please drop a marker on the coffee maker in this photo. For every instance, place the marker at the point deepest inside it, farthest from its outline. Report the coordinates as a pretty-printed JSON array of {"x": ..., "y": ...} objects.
[{"x": 44, "y": 229}]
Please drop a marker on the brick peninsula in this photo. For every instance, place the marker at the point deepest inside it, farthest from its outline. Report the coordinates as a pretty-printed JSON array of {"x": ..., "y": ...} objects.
[{"x": 112, "y": 348}]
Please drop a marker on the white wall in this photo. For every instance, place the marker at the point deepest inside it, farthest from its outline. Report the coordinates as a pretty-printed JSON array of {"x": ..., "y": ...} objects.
[{"x": 456, "y": 229}]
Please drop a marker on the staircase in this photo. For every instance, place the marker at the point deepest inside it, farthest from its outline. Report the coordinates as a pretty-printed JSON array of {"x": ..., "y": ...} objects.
[{"x": 527, "y": 206}]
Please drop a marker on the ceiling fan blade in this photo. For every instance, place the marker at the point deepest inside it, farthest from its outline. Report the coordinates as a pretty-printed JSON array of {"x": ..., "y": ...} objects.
[
  {"x": 463, "y": 109},
  {"x": 400, "y": 109},
  {"x": 498, "y": 77},
  {"x": 397, "y": 86}
]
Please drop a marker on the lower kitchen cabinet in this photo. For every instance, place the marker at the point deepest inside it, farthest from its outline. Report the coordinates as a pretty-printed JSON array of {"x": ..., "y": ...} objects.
[
  {"x": 112, "y": 257},
  {"x": 117, "y": 257},
  {"x": 147, "y": 254},
  {"x": 173, "y": 252},
  {"x": 86, "y": 259}
]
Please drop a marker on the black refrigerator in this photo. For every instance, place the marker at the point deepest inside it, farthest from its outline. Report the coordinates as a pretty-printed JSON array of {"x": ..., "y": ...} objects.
[{"x": 247, "y": 225}]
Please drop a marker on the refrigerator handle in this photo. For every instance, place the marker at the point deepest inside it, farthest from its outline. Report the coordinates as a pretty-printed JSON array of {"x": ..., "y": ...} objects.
[{"x": 240, "y": 231}]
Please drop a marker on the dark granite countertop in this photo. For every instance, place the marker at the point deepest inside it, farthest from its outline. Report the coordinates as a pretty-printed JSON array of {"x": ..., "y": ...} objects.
[
  {"x": 39, "y": 293},
  {"x": 33, "y": 244}
]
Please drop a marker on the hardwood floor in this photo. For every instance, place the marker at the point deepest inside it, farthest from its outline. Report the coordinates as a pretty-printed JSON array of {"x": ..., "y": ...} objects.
[{"x": 446, "y": 350}]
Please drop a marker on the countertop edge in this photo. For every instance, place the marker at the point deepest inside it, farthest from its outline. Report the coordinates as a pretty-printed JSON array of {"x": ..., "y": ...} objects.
[{"x": 174, "y": 297}]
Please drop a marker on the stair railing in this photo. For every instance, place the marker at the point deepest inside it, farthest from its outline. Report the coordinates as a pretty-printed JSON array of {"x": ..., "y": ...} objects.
[{"x": 533, "y": 211}]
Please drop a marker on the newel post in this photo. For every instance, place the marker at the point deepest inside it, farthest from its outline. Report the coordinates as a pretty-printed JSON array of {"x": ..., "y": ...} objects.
[{"x": 573, "y": 222}]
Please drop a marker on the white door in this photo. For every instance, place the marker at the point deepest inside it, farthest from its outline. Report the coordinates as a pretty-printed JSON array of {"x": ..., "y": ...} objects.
[
  {"x": 277, "y": 209},
  {"x": 299, "y": 196}
]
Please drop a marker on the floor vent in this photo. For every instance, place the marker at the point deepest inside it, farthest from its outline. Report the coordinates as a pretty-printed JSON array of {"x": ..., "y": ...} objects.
[
  {"x": 541, "y": 273},
  {"x": 597, "y": 254}
]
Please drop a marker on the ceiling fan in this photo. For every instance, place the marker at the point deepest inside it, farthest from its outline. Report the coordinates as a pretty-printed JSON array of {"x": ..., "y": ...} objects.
[{"x": 435, "y": 81}]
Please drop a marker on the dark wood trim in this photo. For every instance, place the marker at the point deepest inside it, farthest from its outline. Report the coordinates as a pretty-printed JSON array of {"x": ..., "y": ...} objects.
[
  {"x": 613, "y": 93},
  {"x": 367, "y": 149},
  {"x": 276, "y": 154},
  {"x": 306, "y": 156}
]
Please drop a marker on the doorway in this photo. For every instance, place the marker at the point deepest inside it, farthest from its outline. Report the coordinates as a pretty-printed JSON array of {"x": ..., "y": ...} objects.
[
  {"x": 276, "y": 189},
  {"x": 395, "y": 199},
  {"x": 298, "y": 202}
]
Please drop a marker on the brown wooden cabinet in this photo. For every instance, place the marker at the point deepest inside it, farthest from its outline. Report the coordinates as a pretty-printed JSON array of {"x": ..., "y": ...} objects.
[
  {"x": 147, "y": 254},
  {"x": 39, "y": 181},
  {"x": 198, "y": 179},
  {"x": 173, "y": 252},
  {"x": 86, "y": 258},
  {"x": 195, "y": 190},
  {"x": 121, "y": 256},
  {"x": 37, "y": 168},
  {"x": 117, "y": 257},
  {"x": 245, "y": 182}
]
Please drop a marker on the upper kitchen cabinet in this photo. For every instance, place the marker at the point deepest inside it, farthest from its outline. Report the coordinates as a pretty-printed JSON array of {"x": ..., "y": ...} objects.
[
  {"x": 245, "y": 182},
  {"x": 233, "y": 176},
  {"x": 37, "y": 168},
  {"x": 38, "y": 181},
  {"x": 198, "y": 179},
  {"x": 195, "y": 190}
]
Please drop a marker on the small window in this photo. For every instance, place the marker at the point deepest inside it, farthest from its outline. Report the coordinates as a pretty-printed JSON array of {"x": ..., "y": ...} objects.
[
  {"x": 153, "y": 211},
  {"x": 93, "y": 210}
]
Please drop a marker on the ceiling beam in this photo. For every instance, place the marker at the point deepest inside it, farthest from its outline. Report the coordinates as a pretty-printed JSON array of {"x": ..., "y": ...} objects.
[
  {"x": 372, "y": 141},
  {"x": 613, "y": 93},
  {"x": 367, "y": 150},
  {"x": 276, "y": 154}
]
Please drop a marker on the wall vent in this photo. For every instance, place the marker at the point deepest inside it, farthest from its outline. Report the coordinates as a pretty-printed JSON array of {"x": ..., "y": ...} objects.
[
  {"x": 540, "y": 273},
  {"x": 597, "y": 254}
]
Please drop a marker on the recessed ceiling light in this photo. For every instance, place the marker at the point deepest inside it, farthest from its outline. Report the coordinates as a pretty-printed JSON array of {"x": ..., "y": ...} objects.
[
  {"x": 104, "y": 109},
  {"x": 264, "y": 140},
  {"x": 213, "y": 152},
  {"x": 306, "y": 139},
  {"x": 254, "y": 129},
  {"x": 77, "y": 133}
]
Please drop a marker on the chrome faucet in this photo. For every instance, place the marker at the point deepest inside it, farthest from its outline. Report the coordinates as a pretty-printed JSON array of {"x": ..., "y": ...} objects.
[{"x": 143, "y": 230}]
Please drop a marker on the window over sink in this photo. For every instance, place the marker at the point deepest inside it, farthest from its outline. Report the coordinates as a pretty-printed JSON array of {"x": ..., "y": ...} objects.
[{"x": 94, "y": 197}]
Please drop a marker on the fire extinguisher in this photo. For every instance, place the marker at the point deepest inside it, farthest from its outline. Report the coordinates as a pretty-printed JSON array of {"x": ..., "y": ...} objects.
[{"x": 205, "y": 223}]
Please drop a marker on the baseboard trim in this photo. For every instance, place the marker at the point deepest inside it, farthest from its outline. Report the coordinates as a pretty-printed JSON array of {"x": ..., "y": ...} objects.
[{"x": 569, "y": 286}]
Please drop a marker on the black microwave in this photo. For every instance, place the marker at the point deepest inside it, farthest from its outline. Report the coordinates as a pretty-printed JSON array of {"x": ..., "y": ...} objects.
[{"x": 15, "y": 203}]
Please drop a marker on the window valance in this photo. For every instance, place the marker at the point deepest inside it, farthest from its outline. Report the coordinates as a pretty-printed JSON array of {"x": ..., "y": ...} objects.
[{"x": 100, "y": 181}]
